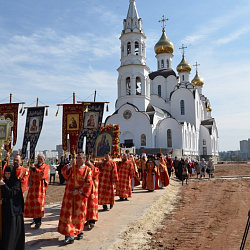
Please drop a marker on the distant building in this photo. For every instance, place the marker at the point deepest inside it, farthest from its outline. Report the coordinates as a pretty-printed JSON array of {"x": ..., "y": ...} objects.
[{"x": 245, "y": 146}]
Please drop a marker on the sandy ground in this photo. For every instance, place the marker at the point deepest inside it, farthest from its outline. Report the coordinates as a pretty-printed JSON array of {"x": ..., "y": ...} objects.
[{"x": 205, "y": 214}]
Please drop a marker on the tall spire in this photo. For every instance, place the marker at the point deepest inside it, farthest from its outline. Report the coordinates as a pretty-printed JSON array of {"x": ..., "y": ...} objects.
[{"x": 132, "y": 23}]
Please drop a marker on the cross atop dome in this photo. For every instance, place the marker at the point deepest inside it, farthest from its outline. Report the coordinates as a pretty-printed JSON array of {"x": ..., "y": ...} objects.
[
  {"x": 183, "y": 49},
  {"x": 196, "y": 65},
  {"x": 163, "y": 20}
]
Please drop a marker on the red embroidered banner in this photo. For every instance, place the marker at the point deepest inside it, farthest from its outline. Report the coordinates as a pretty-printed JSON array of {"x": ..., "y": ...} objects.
[
  {"x": 72, "y": 125},
  {"x": 10, "y": 110}
]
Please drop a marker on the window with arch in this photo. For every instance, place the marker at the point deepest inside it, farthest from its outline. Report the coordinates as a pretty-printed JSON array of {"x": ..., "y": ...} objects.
[
  {"x": 138, "y": 85},
  {"x": 204, "y": 142},
  {"x": 167, "y": 63},
  {"x": 162, "y": 63},
  {"x": 136, "y": 48},
  {"x": 169, "y": 138},
  {"x": 129, "y": 48},
  {"x": 182, "y": 77},
  {"x": 143, "y": 140},
  {"x": 159, "y": 90},
  {"x": 128, "y": 86},
  {"x": 182, "y": 105}
]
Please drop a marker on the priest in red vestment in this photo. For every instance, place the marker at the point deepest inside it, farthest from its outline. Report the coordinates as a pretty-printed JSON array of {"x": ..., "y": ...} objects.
[
  {"x": 150, "y": 175},
  {"x": 125, "y": 173},
  {"x": 38, "y": 183},
  {"x": 74, "y": 206},
  {"x": 107, "y": 179},
  {"x": 22, "y": 173},
  {"x": 164, "y": 177},
  {"x": 92, "y": 208}
]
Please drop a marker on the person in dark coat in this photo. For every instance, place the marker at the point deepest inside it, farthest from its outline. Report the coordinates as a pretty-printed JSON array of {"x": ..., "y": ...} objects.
[{"x": 13, "y": 237}]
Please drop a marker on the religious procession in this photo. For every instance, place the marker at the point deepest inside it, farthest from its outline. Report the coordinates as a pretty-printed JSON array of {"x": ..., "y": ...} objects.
[{"x": 95, "y": 171}]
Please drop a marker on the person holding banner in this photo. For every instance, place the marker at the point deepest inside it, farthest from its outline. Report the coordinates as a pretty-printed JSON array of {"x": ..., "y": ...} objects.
[
  {"x": 38, "y": 183},
  {"x": 13, "y": 235},
  {"x": 74, "y": 205}
]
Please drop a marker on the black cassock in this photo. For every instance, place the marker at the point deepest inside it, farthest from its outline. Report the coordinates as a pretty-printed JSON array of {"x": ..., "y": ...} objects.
[{"x": 12, "y": 213}]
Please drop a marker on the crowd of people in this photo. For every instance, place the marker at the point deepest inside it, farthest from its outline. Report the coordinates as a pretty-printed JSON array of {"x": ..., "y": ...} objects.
[{"x": 88, "y": 185}]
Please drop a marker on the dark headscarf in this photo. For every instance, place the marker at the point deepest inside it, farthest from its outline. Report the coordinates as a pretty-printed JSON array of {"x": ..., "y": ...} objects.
[{"x": 13, "y": 178}]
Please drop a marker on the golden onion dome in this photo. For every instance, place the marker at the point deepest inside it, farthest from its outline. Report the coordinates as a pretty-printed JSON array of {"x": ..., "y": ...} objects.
[
  {"x": 164, "y": 45},
  {"x": 183, "y": 66},
  {"x": 197, "y": 81},
  {"x": 209, "y": 109}
]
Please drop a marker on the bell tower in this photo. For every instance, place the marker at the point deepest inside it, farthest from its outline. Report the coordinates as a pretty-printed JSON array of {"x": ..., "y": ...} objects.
[{"x": 133, "y": 81}]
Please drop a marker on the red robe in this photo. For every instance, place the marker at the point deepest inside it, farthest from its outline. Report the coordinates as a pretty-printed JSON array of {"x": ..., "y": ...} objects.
[
  {"x": 92, "y": 208},
  {"x": 22, "y": 174},
  {"x": 150, "y": 176},
  {"x": 72, "y": 224},
  {"x": 108, "y": 176},
  {"x": 126, "y": 171},
  {"x": 164, "y": 177},
  {"x": 35, "y": 200}
]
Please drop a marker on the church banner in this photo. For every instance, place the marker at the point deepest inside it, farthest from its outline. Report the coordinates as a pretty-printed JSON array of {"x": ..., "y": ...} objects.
[
  {"x": 91, "y": 126},
  {"x": 33, "y": 127},
  {"x": 72, "y": 125},
  {"x": 10, "y": 110}
]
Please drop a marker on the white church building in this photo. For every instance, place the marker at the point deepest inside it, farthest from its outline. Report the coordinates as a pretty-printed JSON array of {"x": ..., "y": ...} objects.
[{"x": 160, "y": 110}]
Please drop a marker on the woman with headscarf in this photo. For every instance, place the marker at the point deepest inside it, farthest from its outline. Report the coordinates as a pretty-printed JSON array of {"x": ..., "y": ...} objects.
[{"x": 13, "y": 237}]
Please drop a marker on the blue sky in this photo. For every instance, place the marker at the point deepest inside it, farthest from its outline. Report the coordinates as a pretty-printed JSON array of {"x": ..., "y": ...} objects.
[{"x": 49, "y": 49}]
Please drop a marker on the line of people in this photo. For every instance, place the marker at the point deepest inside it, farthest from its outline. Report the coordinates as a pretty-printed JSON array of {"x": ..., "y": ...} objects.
[{"x": 88, "y": 185}]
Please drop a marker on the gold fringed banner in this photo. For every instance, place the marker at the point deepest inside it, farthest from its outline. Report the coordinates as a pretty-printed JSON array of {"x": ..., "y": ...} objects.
[
  {"x": 10, "y": 110},
  {"x": 72, "y": 125}
]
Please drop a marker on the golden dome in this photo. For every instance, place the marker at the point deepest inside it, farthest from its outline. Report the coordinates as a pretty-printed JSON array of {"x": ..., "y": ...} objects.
[
  {"x": 197, "y": 81},
  {"x": 209, "y": 109},
  {"x": 164, "y": 45},
  {"x": 183, "y": 66}
]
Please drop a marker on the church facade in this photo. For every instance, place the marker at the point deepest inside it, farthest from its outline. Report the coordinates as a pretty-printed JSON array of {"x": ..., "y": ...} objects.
[{"x": 160, "y": 109}]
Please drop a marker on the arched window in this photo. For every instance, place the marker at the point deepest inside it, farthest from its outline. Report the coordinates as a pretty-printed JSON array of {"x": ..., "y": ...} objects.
[
  {"x": 169, "y": 138},
  {"x": 128, "y": 48},
  {"x": 182, "y": 77},
  {"x": 136, "y": 48},
  {"x": 128, "y": 86},
  {"x": 167, "y": 63},
  {"x": 159, "y": 90},
  {"x": 138, "y": 86},
  {"x": 204, "y": 142},
  {"x": 182, "y": 105},
  {"x": 162, "y": 63},
  {"x": 143, "y": 140}
]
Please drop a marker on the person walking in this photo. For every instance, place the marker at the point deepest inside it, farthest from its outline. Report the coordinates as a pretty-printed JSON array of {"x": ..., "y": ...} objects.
[
  {"x": 125, "y": 174},
  {"x": 74, "y": 206},
  {"x": 38, "y": 184},
  {"x": 107, "y": 178},
  {"x": 203, "y": 166}
]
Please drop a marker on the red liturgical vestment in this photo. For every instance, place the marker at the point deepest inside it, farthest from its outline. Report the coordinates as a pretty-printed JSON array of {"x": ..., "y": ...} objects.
[
  {"x": 108, "y": 176},
  {"x": 35, "y": 200},
  {"x": 71, "y": 224}
]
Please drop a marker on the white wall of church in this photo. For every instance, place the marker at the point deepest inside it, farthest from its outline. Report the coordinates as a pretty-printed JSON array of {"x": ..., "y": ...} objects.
[
  {"x": 205, "y": 142},
  {"x": 189, "y": 105},
  {"x": 176, "y": 132},
  {"x": 134, "y": 127}
]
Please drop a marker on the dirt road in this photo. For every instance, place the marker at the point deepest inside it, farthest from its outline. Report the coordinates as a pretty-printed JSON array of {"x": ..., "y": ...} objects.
[{"x": 205, "y": 214}]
